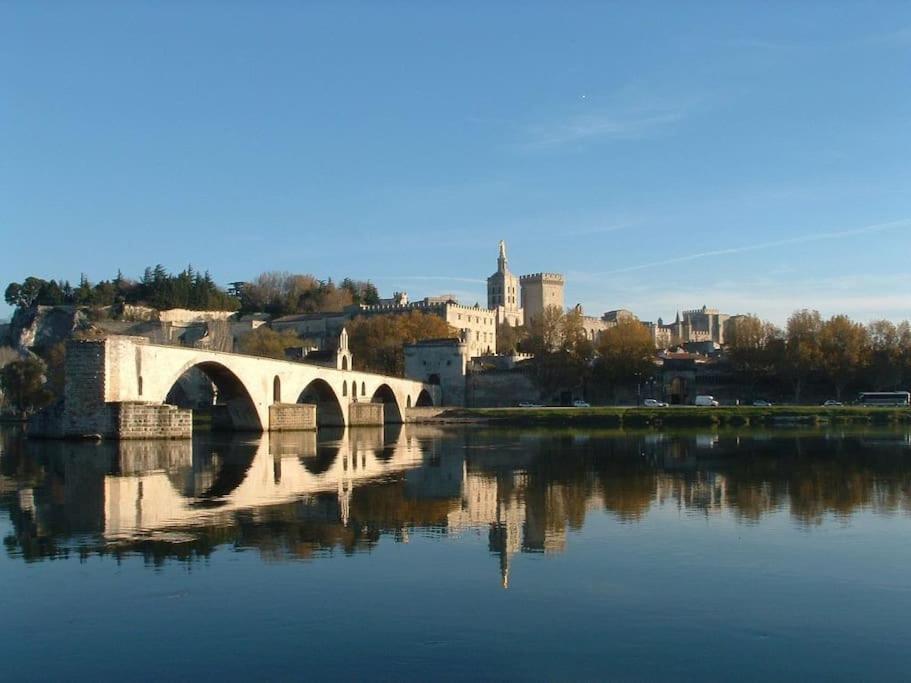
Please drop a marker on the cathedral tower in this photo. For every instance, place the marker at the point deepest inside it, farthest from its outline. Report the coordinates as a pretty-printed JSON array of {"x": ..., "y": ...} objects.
[{"x": 503, "y": 291}]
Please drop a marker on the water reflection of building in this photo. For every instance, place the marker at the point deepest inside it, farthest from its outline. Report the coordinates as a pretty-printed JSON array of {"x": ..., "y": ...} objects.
[
  {"x": 519, "y": 518},
  {"x": 292, "y": 495},
  {"x": 492, "y": 501}
]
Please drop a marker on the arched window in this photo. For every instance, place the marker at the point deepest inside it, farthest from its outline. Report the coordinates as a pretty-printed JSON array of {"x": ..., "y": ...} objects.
[
  {"x": 408, "y": 402},
  {"x": 344, "y": 362},
  {"x": 140, "y": 385},
  {"x": 363, "y": 388},
  {"x": 354, "y": 389},
  {"x": 276, "y": 390},
  {"x": 344, "y": 388}
]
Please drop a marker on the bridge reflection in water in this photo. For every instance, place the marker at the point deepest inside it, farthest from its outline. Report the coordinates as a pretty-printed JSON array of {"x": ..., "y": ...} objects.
[{"x": 297, "y": 495}]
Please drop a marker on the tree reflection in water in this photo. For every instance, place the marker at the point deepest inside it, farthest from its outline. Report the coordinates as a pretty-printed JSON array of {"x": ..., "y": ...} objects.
[{"x": 296, "y": 496}]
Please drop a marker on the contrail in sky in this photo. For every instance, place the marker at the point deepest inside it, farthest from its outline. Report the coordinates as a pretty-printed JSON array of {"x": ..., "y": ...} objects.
[{"x": 803, "y": 239}]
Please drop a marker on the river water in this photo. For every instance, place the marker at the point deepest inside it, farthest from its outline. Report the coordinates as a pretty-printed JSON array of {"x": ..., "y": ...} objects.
[{"x": 458, "y": 553}]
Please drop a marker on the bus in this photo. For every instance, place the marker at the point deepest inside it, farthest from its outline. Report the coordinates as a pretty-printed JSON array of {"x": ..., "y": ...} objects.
[{"x": 884, "y": 398}]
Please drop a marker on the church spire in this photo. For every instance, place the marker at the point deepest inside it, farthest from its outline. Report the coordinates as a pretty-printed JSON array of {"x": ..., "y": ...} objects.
[{"x": 501, "y": 259}]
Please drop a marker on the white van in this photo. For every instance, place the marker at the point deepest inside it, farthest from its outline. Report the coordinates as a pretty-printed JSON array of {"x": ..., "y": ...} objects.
[{"x": 706, "y": 401}]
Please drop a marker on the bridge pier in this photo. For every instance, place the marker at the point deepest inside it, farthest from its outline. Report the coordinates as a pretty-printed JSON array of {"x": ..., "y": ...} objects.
[
  {"x": 365, "y": 415},
  {"x": 292, "y": 417}
]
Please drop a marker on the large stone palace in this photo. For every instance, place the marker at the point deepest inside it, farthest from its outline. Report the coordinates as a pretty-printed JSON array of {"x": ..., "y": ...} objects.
[{"x": 513, "y": 300}]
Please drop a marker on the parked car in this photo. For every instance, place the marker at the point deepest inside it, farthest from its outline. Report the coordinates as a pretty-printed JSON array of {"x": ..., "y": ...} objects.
[
  {"x": 654, "y": 403},
  {"x": 832, "y": 402},
  {"x": 762, "y": 403},
  {"x": 581, "y": 404},
  {"x": 706, "y": 401}
]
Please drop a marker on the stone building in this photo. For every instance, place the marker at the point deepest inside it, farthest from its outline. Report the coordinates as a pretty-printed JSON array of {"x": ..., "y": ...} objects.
[
  {"x": 698, "y": 325},
  {"x": 476, "y": 326},
  {"x": 336, "y": 356},
  {"x": 539, "y": 291},
  {"x": 516, "y": 300},
  {"x": 503, "y": 292},
  {"x": 320, "y": 328},
  {"x": 441, "y": 362}
]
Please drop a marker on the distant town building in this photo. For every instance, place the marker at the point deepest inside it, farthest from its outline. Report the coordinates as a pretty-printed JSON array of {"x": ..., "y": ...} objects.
[
  {"x": 397, "y": 299},
  {"x": 698, "y": 325}
]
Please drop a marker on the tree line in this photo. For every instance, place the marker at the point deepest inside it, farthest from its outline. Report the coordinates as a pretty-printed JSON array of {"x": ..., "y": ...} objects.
[
  {"x": 191, "y": 289},
  {"x": 567, "y": 359},
  {"x": 837, "y": 354},
  {"x": 833, "y": 356},
  {"x": 282, "y": 293},
  {"x": 275, "y": 293}
]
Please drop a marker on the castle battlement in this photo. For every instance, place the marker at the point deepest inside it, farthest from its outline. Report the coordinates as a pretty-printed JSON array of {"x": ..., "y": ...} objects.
[
  {"x": 419, "y": 306},
  {"x": 541, "y": 276}
]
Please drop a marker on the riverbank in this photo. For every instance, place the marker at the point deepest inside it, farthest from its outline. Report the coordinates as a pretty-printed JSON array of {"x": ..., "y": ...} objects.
[{"x": 684, "y": 416}]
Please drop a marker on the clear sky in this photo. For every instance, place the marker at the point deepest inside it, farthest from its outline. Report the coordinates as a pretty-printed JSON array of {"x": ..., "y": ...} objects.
[{"x": 753, "y": 157}]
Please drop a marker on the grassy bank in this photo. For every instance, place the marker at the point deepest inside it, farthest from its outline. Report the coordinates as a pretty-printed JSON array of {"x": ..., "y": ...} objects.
[{"x": 688, "y": 416}]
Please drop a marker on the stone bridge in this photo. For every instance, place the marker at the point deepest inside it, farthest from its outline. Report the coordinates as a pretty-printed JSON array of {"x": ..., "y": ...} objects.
[
  {"x": 282, "y": 468},
  {"x": 119, "y": 387}
]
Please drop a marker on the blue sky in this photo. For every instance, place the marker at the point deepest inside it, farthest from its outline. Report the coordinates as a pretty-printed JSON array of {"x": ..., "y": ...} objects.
[{"x": 753, "y": 157}]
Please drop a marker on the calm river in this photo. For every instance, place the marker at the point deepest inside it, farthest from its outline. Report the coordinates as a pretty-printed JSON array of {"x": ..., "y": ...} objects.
[{"x": 421, "y": 553}]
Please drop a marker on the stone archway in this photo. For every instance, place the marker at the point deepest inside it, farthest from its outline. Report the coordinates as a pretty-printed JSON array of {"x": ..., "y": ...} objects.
[
  {"x": 329, "y": 411},
  {"x": 232, "y": 406},
  {"x": 392, "y": 413}
]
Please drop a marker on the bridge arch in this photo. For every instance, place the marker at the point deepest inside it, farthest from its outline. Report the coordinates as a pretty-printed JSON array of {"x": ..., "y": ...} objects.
[
  {"x": 424, "y": 399},
  {"x": 233, "y": 406},
  {"x": 329, "y": 411},
  {"x": 391, "y": 410},
  {"x": 277, "y": 390}
]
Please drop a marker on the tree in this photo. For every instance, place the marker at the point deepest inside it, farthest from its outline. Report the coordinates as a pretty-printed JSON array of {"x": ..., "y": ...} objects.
[
  {"x": 845, "y": 350},
  {"x": 268, "y": 343},
  {"x": 23, "y": 385},
  {"x": 377, "y": 342},
  {"x": 510, "y": 337},
  {"x": 562, "y": 350},
  {"x": 545, "y": 331},
  {"x": 626, "y": 354},
  {"x": 750, "y": 347},
  {"x": 25, "y": 295},
  {"x": 802, "y": 355},
  {"x": 282, "y": 293},
  {"x": 890, "y": 345},
  {"x": 54, "y": 358},
  {"x": 361, "y": 292}
]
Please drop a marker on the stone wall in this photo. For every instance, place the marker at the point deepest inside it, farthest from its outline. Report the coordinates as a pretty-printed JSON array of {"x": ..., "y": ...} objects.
[
  {"x": 82, "y": 411},
  {"x": 127, "y": 420},
  {"x": 365, "y": 414},
  {"x": 149, "y": 421},
  {"x": 416, "y": 415},
  {"x": 499, "y": 389},
  {"x": 292, "y": 417}
]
